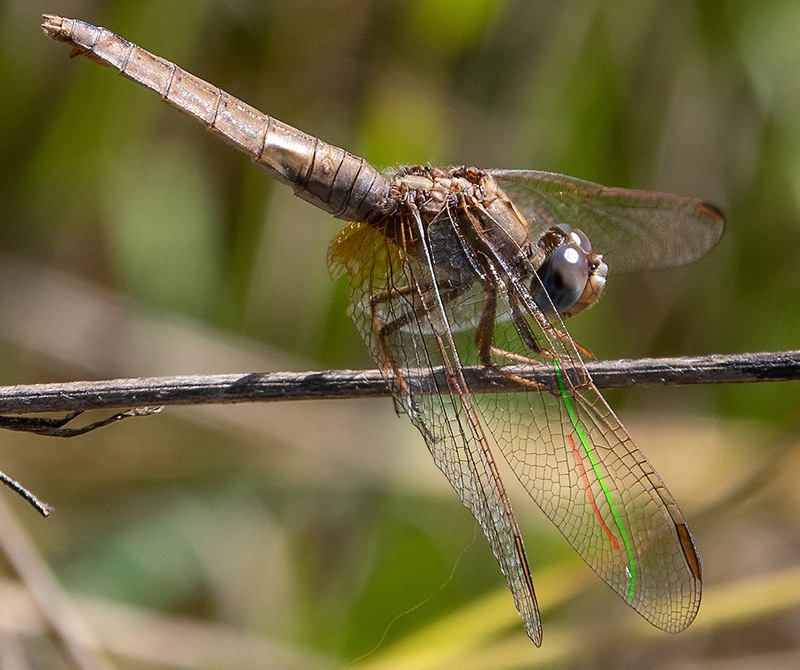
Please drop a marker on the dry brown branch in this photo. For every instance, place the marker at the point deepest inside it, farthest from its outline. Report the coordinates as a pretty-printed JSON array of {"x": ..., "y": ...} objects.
[
  {"x": 148, "y": 394},
  {"x": 337, "y": 384}
]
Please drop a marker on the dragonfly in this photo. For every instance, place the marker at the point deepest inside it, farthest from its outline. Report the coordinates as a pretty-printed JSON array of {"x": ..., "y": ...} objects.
[{"x": 459, "y": 267}]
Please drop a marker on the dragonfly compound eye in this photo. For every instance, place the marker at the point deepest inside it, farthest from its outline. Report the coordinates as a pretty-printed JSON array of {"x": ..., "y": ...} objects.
[{"x": 563, "y": 280}]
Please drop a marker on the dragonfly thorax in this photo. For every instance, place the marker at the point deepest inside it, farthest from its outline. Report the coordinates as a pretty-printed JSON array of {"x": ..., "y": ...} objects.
[
  {"x": 474, "y": 232},
  {"x": 469, "y": 197}
]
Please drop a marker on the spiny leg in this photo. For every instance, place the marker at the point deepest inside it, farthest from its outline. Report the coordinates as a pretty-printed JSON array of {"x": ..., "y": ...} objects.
[
  {"x": 484, "y": 336},
  {"x": 496, "y": 265},
  {"x": 447, "y": 292}
]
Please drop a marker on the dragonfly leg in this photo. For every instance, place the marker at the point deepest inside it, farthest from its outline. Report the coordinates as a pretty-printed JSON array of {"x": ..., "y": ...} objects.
[
  {"x": 514, "y": 292},
  {"x": 385, "y": 296},
  {"x": 527, "y": 336},
  {"x": 488, "y": 352},
  {"x": 380, "y": 330},
  {"x": 447, "y": 292},
  {"x": 485, "y": 332}
]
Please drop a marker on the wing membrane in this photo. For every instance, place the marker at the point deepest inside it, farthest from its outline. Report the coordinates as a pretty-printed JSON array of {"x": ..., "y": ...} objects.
[
  {"x": 580, "y": 465},
  {"x": 588, "y": 476},
  {"x": 403, "y": 284},
  {"x": 634, "y": 230},
  {"x": 563, "y": 442}
]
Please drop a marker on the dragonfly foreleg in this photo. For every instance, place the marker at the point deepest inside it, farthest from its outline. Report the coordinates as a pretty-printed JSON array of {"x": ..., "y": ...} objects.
[
  {"x": 527, "y": 336},
  {"x": 484, "y": 336}
]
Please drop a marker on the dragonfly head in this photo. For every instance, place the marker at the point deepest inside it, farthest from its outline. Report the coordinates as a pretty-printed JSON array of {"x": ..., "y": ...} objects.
[{"x": 572, "y": 277}]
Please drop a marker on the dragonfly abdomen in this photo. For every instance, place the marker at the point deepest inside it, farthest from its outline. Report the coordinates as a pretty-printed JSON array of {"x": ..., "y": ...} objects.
[{"x": 324, "y": 175}]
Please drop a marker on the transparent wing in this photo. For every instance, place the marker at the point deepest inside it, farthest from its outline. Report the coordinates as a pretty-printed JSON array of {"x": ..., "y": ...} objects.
[
  {"x": 584, "y": 471},
  {"x": 393, "y": 291},
  {"x": 582, "y": 468},
  {"x": 634, "y": 230},
  {"x": 561, "y": 439}
]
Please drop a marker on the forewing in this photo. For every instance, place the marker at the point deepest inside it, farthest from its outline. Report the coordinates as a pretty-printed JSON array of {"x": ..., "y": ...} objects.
[
  {"x": 579, "y": 464},
  {"x": 390, "y": 285},
  {"x": 633, "y": 230}
]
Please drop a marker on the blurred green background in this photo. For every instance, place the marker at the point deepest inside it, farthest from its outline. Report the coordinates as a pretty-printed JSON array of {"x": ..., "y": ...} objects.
[{"x": 305, "y": 535}]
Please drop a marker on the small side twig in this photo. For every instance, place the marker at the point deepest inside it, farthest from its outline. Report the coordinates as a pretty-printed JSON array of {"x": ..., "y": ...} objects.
[
  {"x": 57, "y": 427},
  {"x": 42, "y": 507}
]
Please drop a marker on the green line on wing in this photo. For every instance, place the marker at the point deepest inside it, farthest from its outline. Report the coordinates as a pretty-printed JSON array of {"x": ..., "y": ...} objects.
[{"x": 590, "y": 454}]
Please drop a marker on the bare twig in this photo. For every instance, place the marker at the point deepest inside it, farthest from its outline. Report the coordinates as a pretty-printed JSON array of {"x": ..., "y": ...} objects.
[
  {"x": 42, "y": 507},
  {"x": 257, "y": 387},
  {"x": 74, "y": 398},
  {"x": 57, "y": 427}
]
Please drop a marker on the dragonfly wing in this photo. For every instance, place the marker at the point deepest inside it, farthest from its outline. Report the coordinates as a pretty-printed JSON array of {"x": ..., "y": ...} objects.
[
  {"x": 579, "y": 464},
  {"x": 562, "y": 440},
  {"x": 389, "y": 286},
  {"x": 634, "y": 230},
  {"x": 583, "y": 469}
]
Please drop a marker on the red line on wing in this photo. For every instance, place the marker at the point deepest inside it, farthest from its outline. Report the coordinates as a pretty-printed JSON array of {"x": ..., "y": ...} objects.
[{"x": 585, "y": 479}]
